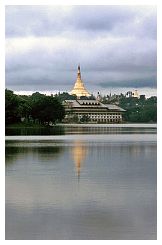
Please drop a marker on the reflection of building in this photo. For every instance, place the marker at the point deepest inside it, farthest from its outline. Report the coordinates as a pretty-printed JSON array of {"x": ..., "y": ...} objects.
[
  {"x": 79, "y": 152},
  {"x": 79, "y": 89},
  {"x": 92, "y": 111}
]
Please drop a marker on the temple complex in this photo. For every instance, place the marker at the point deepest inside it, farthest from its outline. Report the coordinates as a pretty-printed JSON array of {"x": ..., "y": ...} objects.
[
  {"x": 79, "y": 88},
  {"x": 89, "y": 110}
]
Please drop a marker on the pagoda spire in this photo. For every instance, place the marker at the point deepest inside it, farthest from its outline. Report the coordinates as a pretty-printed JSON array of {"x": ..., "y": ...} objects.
[
  {"x": 79, "y": 73},
  {"x": 79, "y": 89}
]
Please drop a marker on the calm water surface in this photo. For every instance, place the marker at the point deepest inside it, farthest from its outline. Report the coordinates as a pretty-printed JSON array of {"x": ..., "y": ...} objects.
[{"x": 96, "y": 183}]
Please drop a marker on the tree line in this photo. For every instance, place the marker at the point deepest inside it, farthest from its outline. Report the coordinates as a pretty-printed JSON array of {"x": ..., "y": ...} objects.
[
  {"x": 139, "y": 110},
  {"x": 36, "y": 108},
  {"x": 43, "y": 109}
]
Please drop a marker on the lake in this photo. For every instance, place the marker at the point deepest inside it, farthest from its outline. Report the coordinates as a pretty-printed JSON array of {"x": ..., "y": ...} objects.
[{"x": 81, "y": 182}]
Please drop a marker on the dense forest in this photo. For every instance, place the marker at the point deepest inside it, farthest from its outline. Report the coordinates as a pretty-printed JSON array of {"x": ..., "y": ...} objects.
[
  {"x": 139, "y": 110},
  {"x": 37, "y": 108}
]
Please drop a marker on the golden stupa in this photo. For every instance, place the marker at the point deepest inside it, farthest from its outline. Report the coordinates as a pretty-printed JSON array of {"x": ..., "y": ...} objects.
[{"x": 79, "y": 89}]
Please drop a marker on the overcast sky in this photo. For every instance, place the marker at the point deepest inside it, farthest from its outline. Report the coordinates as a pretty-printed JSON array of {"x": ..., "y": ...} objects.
[{"x": 115, "y": 46}]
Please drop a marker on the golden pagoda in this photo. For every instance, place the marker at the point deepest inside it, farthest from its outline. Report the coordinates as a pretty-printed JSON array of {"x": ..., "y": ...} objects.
[{"x": 79, "y": 89}]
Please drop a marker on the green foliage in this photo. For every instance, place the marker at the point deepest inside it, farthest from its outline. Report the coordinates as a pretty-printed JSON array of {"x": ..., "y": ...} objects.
[
  {"x": 11, "y": 107},
  {"x": 84, "y": 119},
  {"x": 74, "y": 119},
  {"x": 38, "y": 107},
  {"x": 47, "y": 109},
  {"x": 65, "y": 96},
  {"x": 139, "y": 110},
  {"x": 24, "y": 106}
]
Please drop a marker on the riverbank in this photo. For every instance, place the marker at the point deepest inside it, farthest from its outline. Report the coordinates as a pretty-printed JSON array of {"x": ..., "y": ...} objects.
[
  {"x": 82, "y": 125},
  {"x": 124, "y": 125},
  {"x": 66, "y": 129},
  {"x": 25, "y": 125}
]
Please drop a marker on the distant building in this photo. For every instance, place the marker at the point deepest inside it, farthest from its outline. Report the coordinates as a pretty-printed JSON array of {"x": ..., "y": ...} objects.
[
  {"x": 98, "y": 96},
  {"x": 128, "y": 94},
  {"x": 92, "y": 111},
  {"x": 134, "y": 94}
]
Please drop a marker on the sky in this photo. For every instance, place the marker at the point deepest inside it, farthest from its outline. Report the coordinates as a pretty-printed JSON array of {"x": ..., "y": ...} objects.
[{"x": 116, "y": 47}]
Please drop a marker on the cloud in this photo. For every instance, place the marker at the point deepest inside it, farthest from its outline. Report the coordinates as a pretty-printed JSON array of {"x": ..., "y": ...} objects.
[
  {"x": 140, "y": 83},
  {"x": 115, "y": 45},
  {"x": 51, "y": 20}
]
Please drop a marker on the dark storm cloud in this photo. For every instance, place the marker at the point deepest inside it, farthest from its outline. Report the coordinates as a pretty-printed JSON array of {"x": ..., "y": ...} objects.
[
  {"x": 116, "y": 46},
  {"x": 140, "y": 83}
]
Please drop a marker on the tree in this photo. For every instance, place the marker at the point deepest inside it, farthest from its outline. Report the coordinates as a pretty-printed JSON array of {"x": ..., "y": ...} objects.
[
  {"x": 11, "y": 107},
  {"x": 47, "y": 109},
  {"x": 138, "y": 110},
  {"x": 65, "y": 96},
  {"x": 84, "y": 119},
  {"x": 24, "y": 106}
]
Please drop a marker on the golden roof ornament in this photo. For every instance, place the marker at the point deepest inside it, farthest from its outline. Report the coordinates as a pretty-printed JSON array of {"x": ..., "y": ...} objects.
[{"x": 79, "y": 88}]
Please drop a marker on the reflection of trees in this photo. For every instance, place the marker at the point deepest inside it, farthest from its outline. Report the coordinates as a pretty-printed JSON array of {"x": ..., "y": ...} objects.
[
  {"x": 48, "y": 152},
  {"x": 54, "y": 130},
  {"x": 79, "y": 152},
  {"x": 11, "y": 154},
  {"x": 14, "y": 153}
]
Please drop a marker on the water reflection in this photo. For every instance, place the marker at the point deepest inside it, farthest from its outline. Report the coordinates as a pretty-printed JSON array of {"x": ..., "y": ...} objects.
[
  {"x": 79, "y": 152},
  {"x": 116, "y": 199},
  {"x": 15, "y": 152},
  {"x": 105, "y": 129},
  {"x": 56, "y": 130},
  {"x": 84, "y": 129}
]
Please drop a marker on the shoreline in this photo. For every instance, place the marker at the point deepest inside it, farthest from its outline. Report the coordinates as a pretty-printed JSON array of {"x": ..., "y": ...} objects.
[
  {"x": 125, "y": 138},
  {"x": 121, "y": 125},
  {"x": 84, "y": 125}
]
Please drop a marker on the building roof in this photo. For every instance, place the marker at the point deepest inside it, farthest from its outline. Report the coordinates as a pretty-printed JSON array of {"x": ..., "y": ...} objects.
[
  {"x": 114, "y": 107},
  {"x": 92, "y": 103}
]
